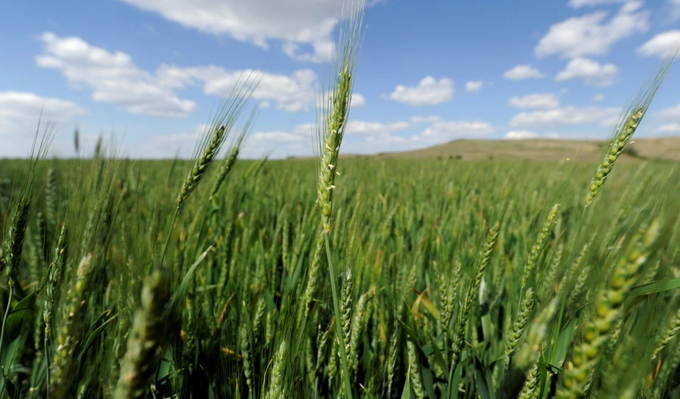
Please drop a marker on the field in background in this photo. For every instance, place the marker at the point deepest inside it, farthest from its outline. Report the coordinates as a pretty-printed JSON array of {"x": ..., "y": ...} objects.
[
  {"x": 414, "y": 234},
  {"x": 667, "y": 148}
]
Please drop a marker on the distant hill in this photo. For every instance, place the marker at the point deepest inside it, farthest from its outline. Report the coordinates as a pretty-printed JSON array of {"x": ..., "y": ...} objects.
[{"x": 667, "y": 148}]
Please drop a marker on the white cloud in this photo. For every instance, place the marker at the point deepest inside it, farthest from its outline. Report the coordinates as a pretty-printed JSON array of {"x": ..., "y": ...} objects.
[
  {"x": 473, "y": 85},
  {"x": 281, "y": 144},
  {"x": 529, "y": 134},
  {"x": 590, "y": 34},
  {"x": 598, "y": 97},
  {"x": 304, "y": 27},
  {"x": 373, "y": 128},
  {"x": 112, "y": 77},
  {"x": 358, "y": 100},
  {"x": 535, "y": 100},
  {"x": 592, "y": 72},
  {"x": 385, "y": 139},
  {"x": 564, "y": 116},
  {"x": 425, "y": 119},
  {"x": 275, "y": 137},
  {"x": 20, "y": 113},
  {"x": 523, "y": 71},
  {"x": 443, "y": 131},
  {"x": 429, "y": 91},
  {"x": 662, "y": 44},
  {"x": 592, "y": 3},
  {"x": 520, "y": 135},
  {"x": 292, "y": 93},
  {"x": 669, "y": 128},
  {"x": 670, "y": 114},
  {"x": 377, "y": 144},
  {"x": 278, "y": 144}
]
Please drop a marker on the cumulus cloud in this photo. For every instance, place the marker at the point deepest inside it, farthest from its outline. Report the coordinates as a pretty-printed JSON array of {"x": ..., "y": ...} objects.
[
  {"x": 523, "y": 71},
  {"x": 535, "y": 100},
  {"x": 592, "y": 72},
  {"x": 473, "y": 85},
  {"x": 670, "y": 114},
  {"x": 289, "y": 93},
  {"x": 277, "y": 144},
  {"x": 529, "y": 134},
  {"x": 425, "y": 119},
  {"x": 662, "y": 44},
  {"x": 592, "y": 3},
  {"x": 304, "y": 28},
  {"x": 377, "y": 144},
  {"x": 429, "y": 91},
  {"x": 598, "y": 97},
  {"x": 564, "y": 116},
  {"x": 592, "y": 34},
  {"x": 20, "y": 113},
  {"x": 520, "y": 135},
  {"x": 443, "y": 131},
  {"x": 276, "y": 137},
  {"x": 669, "y": 128},
  {"x": 358, "y": 100},
  {"x": 365, "y": 128},
  {"x": 112, "y": 77}
]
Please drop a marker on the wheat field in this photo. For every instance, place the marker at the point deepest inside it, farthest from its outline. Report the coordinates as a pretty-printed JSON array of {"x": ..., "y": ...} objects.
[{"x": 337, "y": 277}]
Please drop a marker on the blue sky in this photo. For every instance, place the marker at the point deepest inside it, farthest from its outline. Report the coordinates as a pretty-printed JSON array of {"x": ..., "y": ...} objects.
[{"x": 151, "y": 71}]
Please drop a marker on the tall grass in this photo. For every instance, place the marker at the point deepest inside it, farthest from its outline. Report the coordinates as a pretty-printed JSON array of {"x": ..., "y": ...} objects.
[{"x": 376, "y": 278}]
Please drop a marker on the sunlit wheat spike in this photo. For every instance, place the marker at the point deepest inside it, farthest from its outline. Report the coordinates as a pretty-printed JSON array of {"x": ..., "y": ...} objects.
[
  {"x": 332, "y": 117},
  {"x": 414, "y": 370},
  {"x": 146, "y": 337},
  {"x": 359, "y": 321},
  {"x": 668, "y": 368},
  {"x": 483, "y": 261},
  {"x": 214, "y": 136},
  {"x": 668, "y": 334},
  {"x": 530, "y": 387},
  {"x": 229, "y": 162},
  {"x": 276, "y": 388},
  {"x": 538, "y": 329},
  {"x": 54, "y": 277},
  {"x": 520, "y": 323},
  {"x": 15, "y": 242},
  {"x": 607, "y": 307},
  {"x": 627, "y": 125},
  {"x": 70, "y": 332},
  {"x": 537, "y": 248}
]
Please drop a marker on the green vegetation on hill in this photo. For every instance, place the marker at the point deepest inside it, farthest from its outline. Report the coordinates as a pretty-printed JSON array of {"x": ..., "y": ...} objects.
[{"x": 544, "y": 150}]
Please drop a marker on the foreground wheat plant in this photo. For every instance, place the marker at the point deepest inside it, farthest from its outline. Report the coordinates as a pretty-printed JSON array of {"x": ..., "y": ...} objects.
[
  {"x": 607, "y": 308},
  {"x": 627, "y": 125}
]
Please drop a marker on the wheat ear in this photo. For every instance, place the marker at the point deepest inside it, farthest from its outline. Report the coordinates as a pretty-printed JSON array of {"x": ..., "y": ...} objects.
[
  {"x": 144, "y": 345},
  {"x": 628, "y": 123},
  {"x": 70, "y": 331},
  {"x": 536, "y": 249},
  {"x": 520, "y": 322},
  {"x": 484, "y": 257},
  {"x": 608, "y": 306}
]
